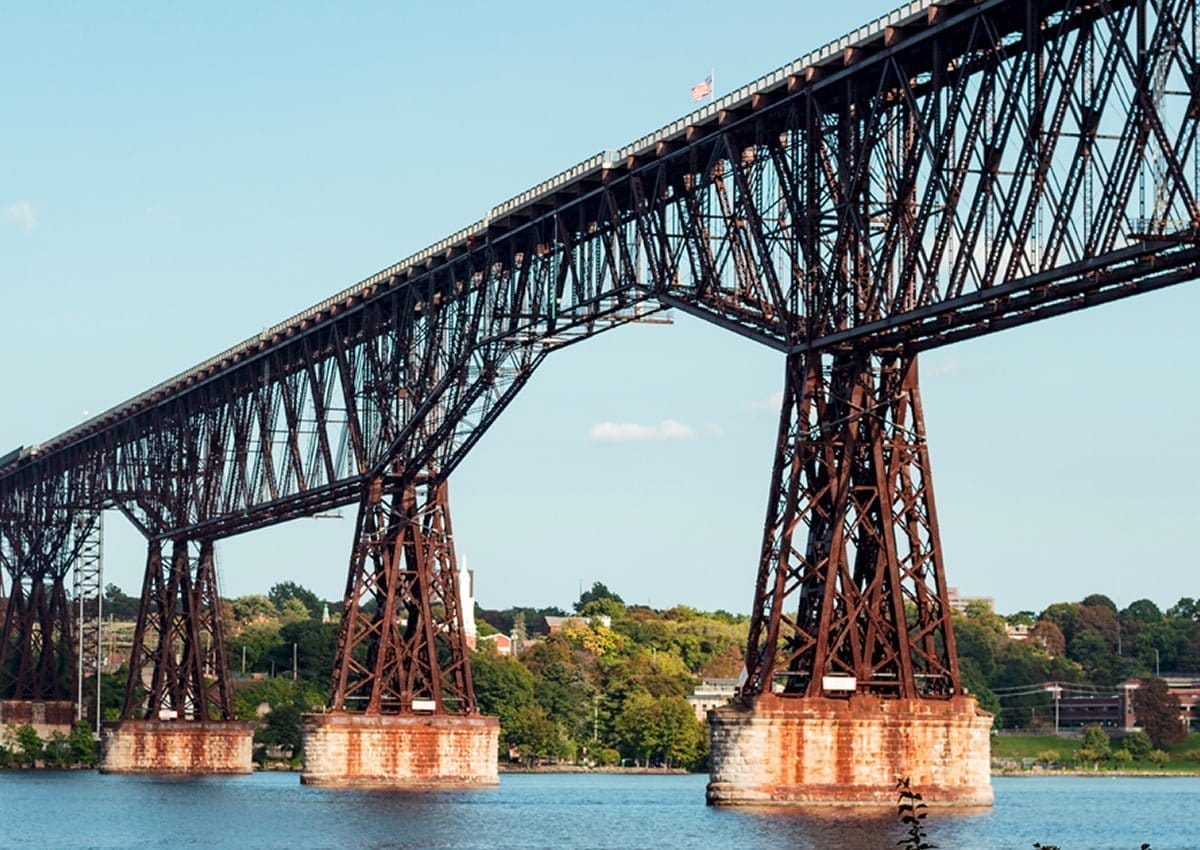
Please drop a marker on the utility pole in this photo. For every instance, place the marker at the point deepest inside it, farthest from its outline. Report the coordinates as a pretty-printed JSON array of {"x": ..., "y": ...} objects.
[{"x": 1055, "y": 690}]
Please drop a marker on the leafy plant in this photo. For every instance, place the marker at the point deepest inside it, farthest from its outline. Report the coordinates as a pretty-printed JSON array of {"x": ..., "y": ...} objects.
[{"x": 911, "y": 811}]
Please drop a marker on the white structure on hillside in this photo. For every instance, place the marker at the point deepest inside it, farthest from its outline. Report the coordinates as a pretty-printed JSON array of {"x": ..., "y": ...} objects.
[
  {"x": 710, "y": 694},
  {"x": 466, "y": 603}
]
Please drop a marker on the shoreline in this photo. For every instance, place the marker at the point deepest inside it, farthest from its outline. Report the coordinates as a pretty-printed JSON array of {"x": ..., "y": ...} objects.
[
  {"x": 1099, "y": 774},
  {"x": 577, "y": 768}
]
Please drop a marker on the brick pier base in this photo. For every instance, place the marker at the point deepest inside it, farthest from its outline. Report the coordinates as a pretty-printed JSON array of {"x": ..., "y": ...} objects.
[
  {"x": 177, "y": 747},
  {"x": 45, "y": 716},
  {"x": 837, "y": 752},
  {"x": 399, "y": 750}
]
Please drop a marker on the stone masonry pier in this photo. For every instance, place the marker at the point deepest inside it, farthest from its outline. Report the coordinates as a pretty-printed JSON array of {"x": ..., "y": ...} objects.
[
  {"x": 849, "y": 752},
  {"x": 176, "y": 747},
  {"x": 45, "y": 716},
  {"x": 400, "y": 750}
]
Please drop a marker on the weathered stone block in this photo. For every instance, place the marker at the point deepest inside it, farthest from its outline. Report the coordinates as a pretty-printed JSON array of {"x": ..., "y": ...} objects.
[
  {"x": 45, "y": 716},
  {"x": 399, "y": 750},
  {"x": 851, "y": 752},
  {"x": 176, "y": 747}
]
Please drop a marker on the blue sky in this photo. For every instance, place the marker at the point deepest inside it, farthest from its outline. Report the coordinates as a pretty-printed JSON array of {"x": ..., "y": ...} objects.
[{"x": 175, "y": 178}]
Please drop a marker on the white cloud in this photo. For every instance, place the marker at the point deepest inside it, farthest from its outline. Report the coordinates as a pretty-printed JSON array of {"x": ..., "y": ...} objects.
[
  {"x": 22, "y": 215},
  {"x": 624, "y": 432},
  {"x": 941, "y": 368},
  {"x": 770, "y": 404}
]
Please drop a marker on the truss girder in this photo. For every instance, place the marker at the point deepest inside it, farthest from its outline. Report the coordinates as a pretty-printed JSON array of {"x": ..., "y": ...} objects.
[
  {"x": 851, "y": 582},
  {"x": 178, "y": 639},
  {"x": 401, "y": 644},
  {"x": 41, "y": 537},
  {"x": 1003, "y": 162},
  {"x": 1010, "y": 161},
  {"x": 1013, "y": 161}
]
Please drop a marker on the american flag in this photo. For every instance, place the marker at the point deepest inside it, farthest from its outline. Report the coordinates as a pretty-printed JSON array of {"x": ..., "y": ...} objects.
[{"x": 702, "y": 89}]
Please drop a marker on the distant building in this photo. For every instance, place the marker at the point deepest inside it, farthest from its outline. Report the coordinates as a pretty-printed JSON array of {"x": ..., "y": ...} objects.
[
  {"x": 959, "y": 603},
  {"x": 1115, "y": 710},
  {"x": 1020, "y": 631},
  {"x": 554, "y": 625},
  {"x": 710, "y": 694},
  {"x": 502, "y": 642}
]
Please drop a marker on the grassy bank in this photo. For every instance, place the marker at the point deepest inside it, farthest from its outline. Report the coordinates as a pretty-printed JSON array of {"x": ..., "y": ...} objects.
[{"x": 1056, "y": 753}]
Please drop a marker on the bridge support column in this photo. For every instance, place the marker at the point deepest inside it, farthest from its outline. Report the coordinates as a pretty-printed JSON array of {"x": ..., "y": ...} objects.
[
  {"x": 402, "y": 708},
  {"x": 839, "y": 752},
  {"x": 37, "y": 650},
  {"x": 180, "y": 721},
  {"x": 852, "y": 677}
]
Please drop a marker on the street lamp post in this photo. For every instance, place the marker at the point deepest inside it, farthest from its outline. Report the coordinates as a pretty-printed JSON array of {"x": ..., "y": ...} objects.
[{"x": 1055, "y": 690}]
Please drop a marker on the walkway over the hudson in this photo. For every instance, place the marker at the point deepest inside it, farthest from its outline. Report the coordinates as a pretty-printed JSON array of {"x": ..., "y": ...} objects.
[
  {"x": 953, "y": 169},
  {"x": 948, "y": 170}
]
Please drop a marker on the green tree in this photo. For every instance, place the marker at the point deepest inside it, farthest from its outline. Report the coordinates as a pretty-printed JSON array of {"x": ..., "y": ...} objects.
[
  {"x": 503, "y": 687},
  {"x": 1048, "y": 636},
  {"x": 1096, "y": 746},
  {"x": 684, "y": 738},
  {"x": 1186, "y": 608},
  {"x": 281, "y": 728},
  {"x": 660, "y": 729},
  {"x": 1158, "y": 712},
  {"x": 535, "y": 735},
  {"x": 1063, "y": 615},
  {"x": 247, "y": 609},
  {"x": 57, "y": 750},
  {"x": 1139, "y": 744},
  {"x": 315, "y": 644},
  {"x": 253, "y": 644},
  {"x": 29, "y": 745},
  {"x": 83, "y": 745},
  {"x": 561, "y": 683},
  {"x": 282, "y": 592},
  {"x": 118, "y": 605},
  {"x": 292, "y": 610},
  {"x": 611, "y": 608},
  {"x": 1021, "y": 618},
  {"x": 1048, "y": 756},
  {"x": 1099, "y": 600},
  {"x": 598, "y": 592},
  {"x": 977, "y": 687}
]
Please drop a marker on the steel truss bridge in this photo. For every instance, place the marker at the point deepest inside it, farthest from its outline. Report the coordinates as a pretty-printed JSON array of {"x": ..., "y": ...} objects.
[{"x": 952, "y": 169}]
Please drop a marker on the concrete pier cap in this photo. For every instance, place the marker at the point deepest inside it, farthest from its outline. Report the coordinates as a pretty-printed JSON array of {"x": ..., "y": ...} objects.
[
  {"x": 400, "y": 750},
  {"x": 177, "y": 747},
  {"x": 808, "y": 751}
]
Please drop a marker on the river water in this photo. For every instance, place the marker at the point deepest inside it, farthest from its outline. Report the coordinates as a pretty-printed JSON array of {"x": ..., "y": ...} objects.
[{"x": 81, "y": 809}]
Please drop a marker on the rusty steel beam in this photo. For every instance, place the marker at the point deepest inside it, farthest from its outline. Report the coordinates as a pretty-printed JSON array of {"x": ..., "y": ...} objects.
[
  {"x": 984, "y": 165},
  {"x": 179, "y": 638},
  {"x": 40, "y": 539},
  {"x": 994, "y": 164},
  {"x": 401, "y": 644},
  {"x": 851, "y": 582}
]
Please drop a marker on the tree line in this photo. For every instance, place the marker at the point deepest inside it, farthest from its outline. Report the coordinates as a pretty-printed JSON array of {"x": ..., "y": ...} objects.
[
  {"x": 611, "y": 687},
  {"x": 1090, "y": 642}
]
